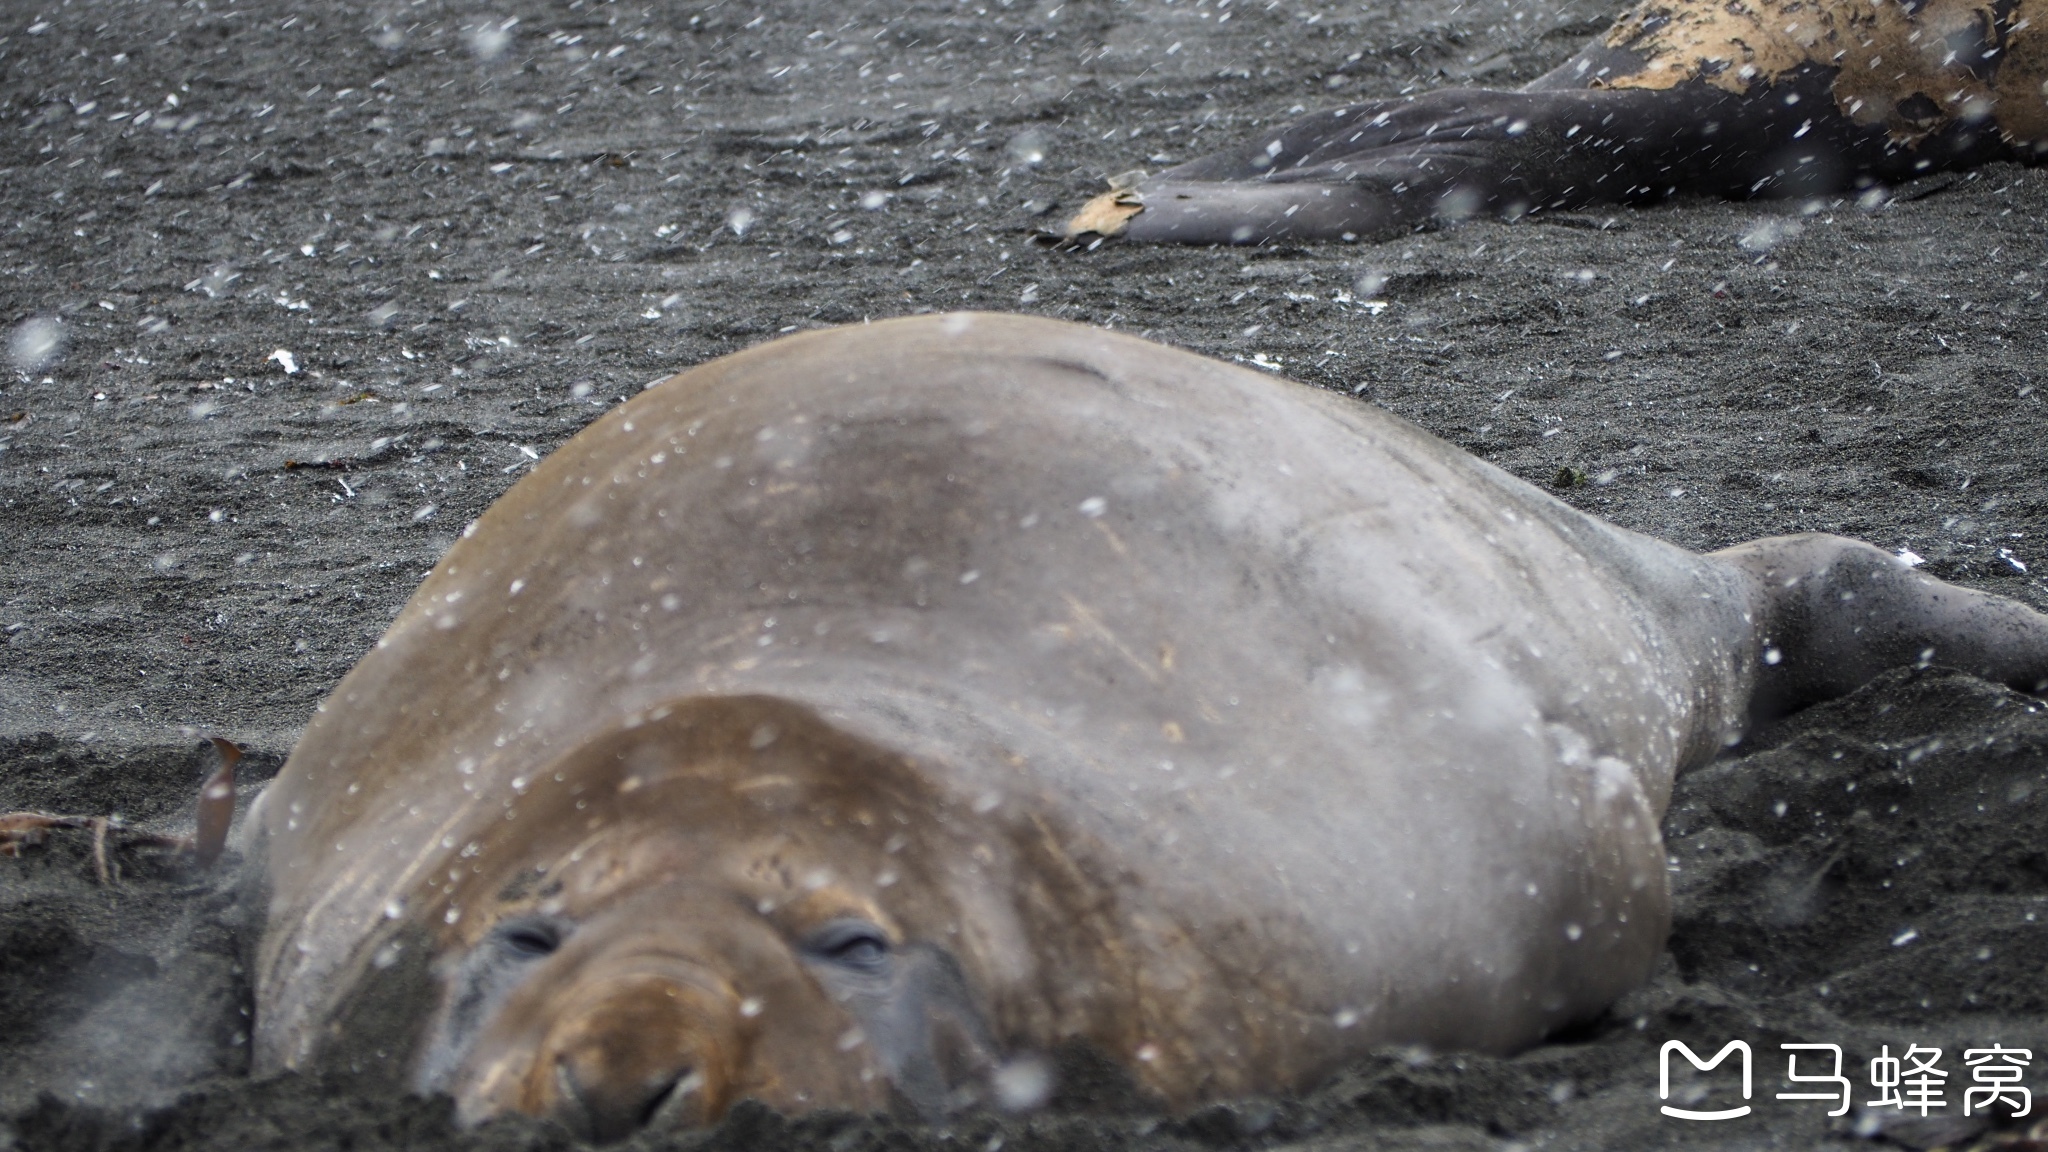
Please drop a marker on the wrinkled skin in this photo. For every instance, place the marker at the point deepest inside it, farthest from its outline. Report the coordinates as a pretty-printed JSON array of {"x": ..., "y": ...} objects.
[
  {"x": 851, "y": 721},
  {"x": 1680, "y": 96}
]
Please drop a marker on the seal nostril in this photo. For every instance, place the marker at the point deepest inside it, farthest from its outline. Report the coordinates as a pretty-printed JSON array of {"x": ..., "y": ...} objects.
[
  {"x": 603, "y": 1112},
  {"x": 674, "y": 1105},
  {"x": 656, "y": 1102}
]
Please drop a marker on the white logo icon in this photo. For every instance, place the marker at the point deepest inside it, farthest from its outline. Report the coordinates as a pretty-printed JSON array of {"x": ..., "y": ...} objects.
[{"x": 1664, "y": 1078}]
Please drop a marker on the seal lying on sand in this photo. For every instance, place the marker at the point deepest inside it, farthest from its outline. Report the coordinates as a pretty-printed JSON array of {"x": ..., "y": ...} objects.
[
  {"x": 1786, "y": 97},
  {"x": 847, "y": 719}
]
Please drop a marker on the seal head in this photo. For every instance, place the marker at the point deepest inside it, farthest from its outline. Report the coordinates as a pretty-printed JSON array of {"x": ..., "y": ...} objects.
[{"x": 690, "y": 912}]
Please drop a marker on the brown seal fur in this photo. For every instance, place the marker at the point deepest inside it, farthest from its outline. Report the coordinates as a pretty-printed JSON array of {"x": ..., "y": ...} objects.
[
  {"x": 1733, "y": 97},
  {"x": 1915, "y": 69},
  {"x": 847, "y": 719}
]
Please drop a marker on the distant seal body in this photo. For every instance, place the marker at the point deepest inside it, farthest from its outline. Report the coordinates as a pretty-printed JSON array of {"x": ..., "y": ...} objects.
[
  {"x": 842, "y": 721},
  {"x": 1779, "y": 97}
]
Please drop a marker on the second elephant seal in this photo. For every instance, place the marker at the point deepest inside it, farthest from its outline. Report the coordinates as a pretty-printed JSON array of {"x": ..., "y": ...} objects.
[{"x": 1721, "y": 97}]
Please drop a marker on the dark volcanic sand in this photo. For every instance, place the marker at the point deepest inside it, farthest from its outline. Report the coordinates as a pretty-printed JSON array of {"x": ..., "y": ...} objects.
[{"x": 468, "y": 257}]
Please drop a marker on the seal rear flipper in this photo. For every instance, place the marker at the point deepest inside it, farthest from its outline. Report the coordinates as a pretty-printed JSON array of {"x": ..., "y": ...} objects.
[
  {"x": 1364, "y": 171},
  {"x": 1252, "y": 212},
  {"x": 1381, "y": 168},
  {"x": 1831, "y": 613}
]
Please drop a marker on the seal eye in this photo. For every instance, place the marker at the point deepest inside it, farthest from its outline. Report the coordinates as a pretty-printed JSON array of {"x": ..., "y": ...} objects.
[
  {"x": 530, "y": 939},
  {"x": 854, "y": 943}
]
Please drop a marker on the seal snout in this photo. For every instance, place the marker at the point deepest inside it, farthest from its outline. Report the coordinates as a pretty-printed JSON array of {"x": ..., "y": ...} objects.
[{"x": 646, "y": 1052}]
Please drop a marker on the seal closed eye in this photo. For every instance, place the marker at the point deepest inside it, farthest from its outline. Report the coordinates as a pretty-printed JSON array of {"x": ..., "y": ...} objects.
[
  {"x": 531, "y": 938},
  {"x": 845, "y": 721},
  {"x": 855, "y": 944},
  {"x": 477, "y": 984}
]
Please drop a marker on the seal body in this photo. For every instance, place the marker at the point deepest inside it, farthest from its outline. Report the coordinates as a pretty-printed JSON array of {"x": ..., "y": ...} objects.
[
  {"x": 843, "y": 720},
  {"x": 1778, "y": 97}
]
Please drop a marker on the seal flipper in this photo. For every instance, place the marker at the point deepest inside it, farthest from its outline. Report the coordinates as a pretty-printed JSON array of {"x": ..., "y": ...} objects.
[
  {"x": 1831, "y": 613},
  {"x": 215, "y": 814},
  {"x": 1250, "y": 212},
  {"x": 216, "y": 805}
]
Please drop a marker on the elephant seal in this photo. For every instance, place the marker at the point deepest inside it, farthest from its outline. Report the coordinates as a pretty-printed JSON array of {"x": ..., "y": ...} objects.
[
  {"x": 841, "y": 722},
  {"x": 1782, "y": 97}
]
